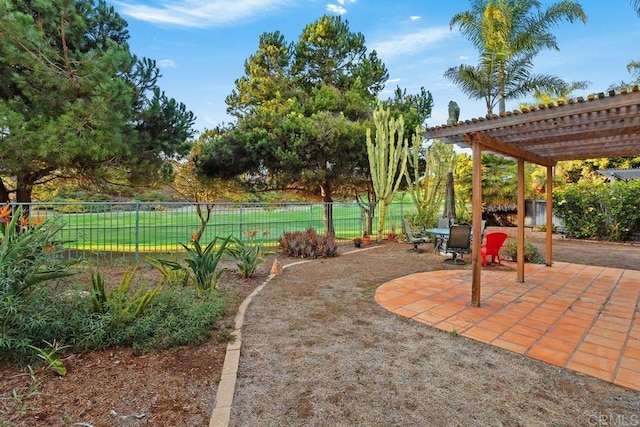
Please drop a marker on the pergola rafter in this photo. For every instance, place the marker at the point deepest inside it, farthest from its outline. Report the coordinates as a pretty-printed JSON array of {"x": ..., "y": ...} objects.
[{"x": 597, "y": 127}]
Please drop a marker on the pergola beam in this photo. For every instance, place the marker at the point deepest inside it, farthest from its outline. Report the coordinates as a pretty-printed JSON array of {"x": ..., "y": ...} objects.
[
  {"x": 598, "y": 127},
  {"x": 498, "y": 146}
]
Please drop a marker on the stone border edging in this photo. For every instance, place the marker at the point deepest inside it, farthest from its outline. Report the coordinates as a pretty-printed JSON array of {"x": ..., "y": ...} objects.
[{"x": 221, "y": 414}]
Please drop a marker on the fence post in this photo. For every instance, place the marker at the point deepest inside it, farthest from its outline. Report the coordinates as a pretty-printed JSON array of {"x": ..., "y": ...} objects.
[
  {"x": 310, "y": 215},
  {"x": 137, "y": 231},
  {"x": 241, "y": 213}
]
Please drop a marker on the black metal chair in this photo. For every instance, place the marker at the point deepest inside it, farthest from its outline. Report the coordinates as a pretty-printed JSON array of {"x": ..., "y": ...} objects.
[
  {"x": 459, "y": 242},
  {"x": 415, "y": 239}
]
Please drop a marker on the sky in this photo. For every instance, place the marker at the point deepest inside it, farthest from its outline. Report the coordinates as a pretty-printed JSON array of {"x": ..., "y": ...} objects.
[{"x": 201, "y": 45}]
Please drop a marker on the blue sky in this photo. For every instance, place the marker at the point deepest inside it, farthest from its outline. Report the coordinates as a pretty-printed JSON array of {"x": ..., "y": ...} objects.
[{"x": 201, "y": 45}]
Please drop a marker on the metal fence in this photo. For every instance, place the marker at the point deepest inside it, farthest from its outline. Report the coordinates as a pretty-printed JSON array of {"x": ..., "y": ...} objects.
[{"x": 114, "y": 233}]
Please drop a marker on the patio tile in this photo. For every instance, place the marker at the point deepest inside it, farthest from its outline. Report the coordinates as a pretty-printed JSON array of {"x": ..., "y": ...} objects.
[
  {"x": 630, "y": 363},
  {"x": 481, "y": 334},
  {"x": 427, "y": 318},
  {"x": 568, "y": 315},
  {"x": 548, "y": 355},
  {"x": 615, "y": 344},
  {"x": 599, "y": 351},
  {"x": 505, "y": 318},
  {"x": 599, "y": 362},
  {"x": 451, "y": 325},
  {"x": 591, "y": 371},
  {"x": 493, "y": 326},
  {"x": 627, "y": 378},
  {"x": 446, "y": 309},
  {"x": 526, "y": 331},
  {"x": 632, "y": 352},
  {"x": 510, "y": 345},
  {"x": 533, "y": 323},
  {"x": 613, "y": 334},
  {"x": 405, "y": 312},
  {"x": 516, "y": 338},
  {"x": 550, "y": 342},
  {"x": 421, "y": 305}
]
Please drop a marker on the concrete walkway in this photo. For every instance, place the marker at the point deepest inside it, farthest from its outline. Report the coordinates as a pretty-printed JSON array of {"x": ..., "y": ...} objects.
[{"x": 578, "y": 317}]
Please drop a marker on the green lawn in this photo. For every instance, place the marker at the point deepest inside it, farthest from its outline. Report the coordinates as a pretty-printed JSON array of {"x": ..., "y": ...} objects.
[{"x": 162, "y": 227}]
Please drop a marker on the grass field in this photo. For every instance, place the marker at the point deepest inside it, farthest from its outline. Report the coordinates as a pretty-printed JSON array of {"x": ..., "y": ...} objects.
[{"x": 160, "y": 228}]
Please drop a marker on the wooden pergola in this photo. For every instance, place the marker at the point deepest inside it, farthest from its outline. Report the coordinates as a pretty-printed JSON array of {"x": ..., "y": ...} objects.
[{"x": 603, "y": 125}]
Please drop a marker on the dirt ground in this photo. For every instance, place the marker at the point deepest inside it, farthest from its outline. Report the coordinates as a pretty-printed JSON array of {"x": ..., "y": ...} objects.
[{"x": 318, "y": 350}]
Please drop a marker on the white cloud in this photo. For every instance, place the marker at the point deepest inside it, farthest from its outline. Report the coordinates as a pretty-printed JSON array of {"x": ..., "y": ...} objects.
[
  {"x": 198, "y": 13},
  {"x": 463, "y": 57},
  {"x": 167, "y": 63},
  {"x": 396, "y": 80},
  {"x": 334, "y": 8},
  {"x": 410, "y": 43},
  {"x": 339, "y": 8},
  {"x": 415, "y": 17}
]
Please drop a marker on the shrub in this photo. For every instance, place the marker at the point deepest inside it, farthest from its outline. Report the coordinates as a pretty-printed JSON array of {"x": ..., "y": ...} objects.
[
  {"x": 531, "y": 252},
  {"x": 123, "y": 307},
  {"x": 248, "y": 257},
  {"x": 28, "y": 252},
  {"x": 173, "y": 274},
  {"x": 307, "y": 244},
  {"x": 599, "y": 211},
  {"x": 174, "y": 318},
  {"x": 28, "y": 258}
]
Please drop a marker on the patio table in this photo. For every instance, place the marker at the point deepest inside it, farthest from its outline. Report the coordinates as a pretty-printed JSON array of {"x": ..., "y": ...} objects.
[{"x": 441, "y": 236}]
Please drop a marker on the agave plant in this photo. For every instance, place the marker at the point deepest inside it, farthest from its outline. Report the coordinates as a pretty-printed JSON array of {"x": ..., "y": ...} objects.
[{"x": 204, "y": 262}]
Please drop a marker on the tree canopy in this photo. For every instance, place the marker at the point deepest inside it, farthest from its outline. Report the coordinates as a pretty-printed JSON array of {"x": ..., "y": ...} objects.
[
  {"x": 301, "y": 111},
  {"x": 75, "y": 102},
  {"x": 508, "y": 35}
]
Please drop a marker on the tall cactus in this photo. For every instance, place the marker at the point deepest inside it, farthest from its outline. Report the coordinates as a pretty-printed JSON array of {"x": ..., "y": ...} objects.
[
  {"x": 387, "y": 160},
  {"x": 426, "y": 187}
]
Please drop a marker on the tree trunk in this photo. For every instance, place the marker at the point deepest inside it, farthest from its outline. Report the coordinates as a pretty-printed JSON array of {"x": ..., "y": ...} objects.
[
  {"x": 368, "y": 208},
  {"x": 4, "y": 193},
  {"x": 325, "y": 190},
  {"x": 24, "y": 190},
  {"x": 502, "y": 106}
]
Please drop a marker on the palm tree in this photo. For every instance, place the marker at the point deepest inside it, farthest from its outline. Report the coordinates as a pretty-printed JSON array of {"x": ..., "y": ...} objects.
[
  {"x": 553, "y": 97},
  {"x": 480, "y": 82},
  {"x": 562, "y": 95},
  {"x": 636, "y": 6},
  {"x": 633, "y": 68},
  {"x": 505, "y": 31}
]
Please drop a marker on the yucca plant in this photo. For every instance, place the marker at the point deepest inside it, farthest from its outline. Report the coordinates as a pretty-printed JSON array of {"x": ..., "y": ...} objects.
[{"x": 204, "y": 262}]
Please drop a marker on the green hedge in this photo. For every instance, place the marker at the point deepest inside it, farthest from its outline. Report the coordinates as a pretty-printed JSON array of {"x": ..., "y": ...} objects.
[{"x": 601, "y": 211}]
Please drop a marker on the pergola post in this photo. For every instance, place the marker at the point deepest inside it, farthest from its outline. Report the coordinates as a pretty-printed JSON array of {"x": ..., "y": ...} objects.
[
  {"x": 549, "y": 234},
  {"x": 476, "y": 220},
  {"x": 521, "y": 215}
]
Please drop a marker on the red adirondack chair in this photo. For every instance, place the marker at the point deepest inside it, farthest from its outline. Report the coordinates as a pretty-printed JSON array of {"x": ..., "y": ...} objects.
[{"x": 495, "y": 241}]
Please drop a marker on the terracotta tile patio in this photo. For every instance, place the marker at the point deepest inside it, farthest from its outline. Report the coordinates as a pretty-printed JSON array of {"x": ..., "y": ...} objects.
[{"x": 579, "y": 317}]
